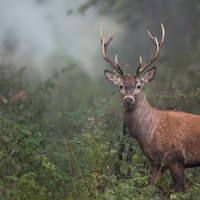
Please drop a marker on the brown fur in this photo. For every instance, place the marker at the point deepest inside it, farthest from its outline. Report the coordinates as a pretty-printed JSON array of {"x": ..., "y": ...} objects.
[{"x": 171, "y": 136}]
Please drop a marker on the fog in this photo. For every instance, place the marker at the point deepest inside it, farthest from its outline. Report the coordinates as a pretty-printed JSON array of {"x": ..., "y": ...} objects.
[{"x": 32, "y": 31}]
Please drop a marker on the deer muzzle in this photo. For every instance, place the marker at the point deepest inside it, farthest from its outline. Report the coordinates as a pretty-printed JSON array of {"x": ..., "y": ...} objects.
[{"x": 129, "y": 100}]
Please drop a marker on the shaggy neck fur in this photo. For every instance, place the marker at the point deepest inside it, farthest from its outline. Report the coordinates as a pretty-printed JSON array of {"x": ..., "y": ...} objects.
[{"x": 140, "y": 119}]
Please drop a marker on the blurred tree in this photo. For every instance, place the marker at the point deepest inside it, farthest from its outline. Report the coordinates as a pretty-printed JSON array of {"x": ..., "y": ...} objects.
[
  {"x": 124, "y": 11},
  {"x": 181, "y": 15}
]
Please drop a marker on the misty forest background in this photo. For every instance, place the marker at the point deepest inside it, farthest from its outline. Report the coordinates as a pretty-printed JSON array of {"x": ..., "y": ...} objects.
[{"x": 60, "y": 119}]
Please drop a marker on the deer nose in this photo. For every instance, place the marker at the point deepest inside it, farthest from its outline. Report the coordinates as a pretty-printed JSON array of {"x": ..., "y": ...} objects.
[{"x": 128, "y": 100}]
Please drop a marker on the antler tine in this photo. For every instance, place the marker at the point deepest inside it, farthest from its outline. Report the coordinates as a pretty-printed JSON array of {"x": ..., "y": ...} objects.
[
  {"x": 121, "y": 72},
  {"x": 152, "y": 60},
  {"x": 104, "y": 46},
  {"x": 163, "y": 35},
  {"x": 158, "y": 47},
  {"x": 139, "y": 65},
  {"x": 162, "y": 39}
]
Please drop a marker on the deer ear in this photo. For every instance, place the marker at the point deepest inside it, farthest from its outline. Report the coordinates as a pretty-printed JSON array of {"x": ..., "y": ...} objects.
[
  {"x": 148, "y": 76},
  {"x": 112, "y": 78}
]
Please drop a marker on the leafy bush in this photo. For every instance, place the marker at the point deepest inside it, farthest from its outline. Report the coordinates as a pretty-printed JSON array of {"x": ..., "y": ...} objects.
[
  {"x": 109, "y": 164},
  {"x": 25, "y": 168},
  {"x": 82, "y": 152}
]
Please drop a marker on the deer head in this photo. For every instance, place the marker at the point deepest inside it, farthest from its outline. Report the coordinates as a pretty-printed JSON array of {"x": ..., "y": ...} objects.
[{"x": 130, "y": 86}]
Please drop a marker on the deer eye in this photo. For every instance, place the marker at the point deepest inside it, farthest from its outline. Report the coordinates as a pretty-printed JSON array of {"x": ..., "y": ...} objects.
[
  {"x": 121, "y": 86},
  {"x": 138, "y": 87}
]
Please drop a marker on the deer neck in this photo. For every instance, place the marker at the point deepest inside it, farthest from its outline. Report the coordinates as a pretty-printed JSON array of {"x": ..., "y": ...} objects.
[{"x": 141, "y": 119}]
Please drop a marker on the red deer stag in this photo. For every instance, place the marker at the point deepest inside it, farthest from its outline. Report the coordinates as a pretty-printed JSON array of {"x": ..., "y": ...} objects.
[{"x": 171, "y": 136}]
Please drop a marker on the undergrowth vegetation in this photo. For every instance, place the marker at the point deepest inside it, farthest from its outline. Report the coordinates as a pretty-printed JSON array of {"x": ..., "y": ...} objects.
[{"x": 77, "y": 153}]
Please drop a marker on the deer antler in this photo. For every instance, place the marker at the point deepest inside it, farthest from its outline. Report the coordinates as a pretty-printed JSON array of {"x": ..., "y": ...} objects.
[
  {"x": 158, "y": 46},
  {"x": 104, "y": 46}
]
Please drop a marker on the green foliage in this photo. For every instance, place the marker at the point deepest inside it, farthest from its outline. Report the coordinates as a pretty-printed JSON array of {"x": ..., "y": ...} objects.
[
  {"x": 174, "y": 100},
  {"x": 59, "y": 140},
  {"x": 80, "y": 152},
  {"x": 102, "y": 169},
  {"x": 25, "y": 168}
]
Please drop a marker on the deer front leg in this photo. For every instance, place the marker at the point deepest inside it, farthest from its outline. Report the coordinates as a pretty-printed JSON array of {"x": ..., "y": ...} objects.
[{"x": 156, "y": 174}]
